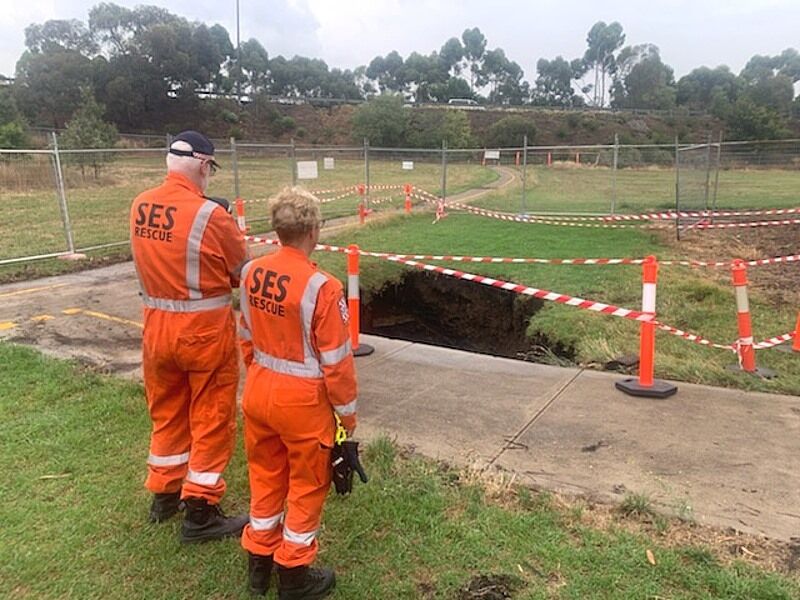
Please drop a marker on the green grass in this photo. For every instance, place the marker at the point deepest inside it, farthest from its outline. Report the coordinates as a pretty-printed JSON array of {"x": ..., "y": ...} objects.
[
  {"x": 591, "y": 189},
  {"x": 689, "y": 299},
  {"x": 416, "y": 530}
]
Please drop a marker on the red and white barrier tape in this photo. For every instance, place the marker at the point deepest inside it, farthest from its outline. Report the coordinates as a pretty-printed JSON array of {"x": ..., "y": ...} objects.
[
  {"x": 775, "y": 223},
  {"x": 542, "y": 294},
  {"x": 775, "y": 341}
]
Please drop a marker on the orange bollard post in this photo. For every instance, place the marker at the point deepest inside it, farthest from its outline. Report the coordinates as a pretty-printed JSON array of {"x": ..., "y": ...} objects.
[
  {"x": 407, "y": 188},
  {"x": 745, "y": 349},
  {"x": 577, "y": 158},
  {"x": 362, "y": 213},
  {"x": 549, "y": 159},
  {"x": 516, "y": 159},
  {"x": 240, "y": 219},
  {"x": 354, "y": 302},
  {"x": 647, "y": 386},
  {"x": 796, "y": 343}
]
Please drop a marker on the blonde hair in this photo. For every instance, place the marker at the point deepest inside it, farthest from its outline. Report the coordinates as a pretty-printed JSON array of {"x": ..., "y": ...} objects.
[{"x": 294, "y": 212}]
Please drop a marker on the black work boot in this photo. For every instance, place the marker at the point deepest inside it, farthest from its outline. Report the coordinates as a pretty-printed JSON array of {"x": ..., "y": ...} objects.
[
  {"x": 165, "y": 506},
  {"x": 203, "y": 522},
  {"x": 259, "y": 570},
  {"x": 304, "y": 583}
]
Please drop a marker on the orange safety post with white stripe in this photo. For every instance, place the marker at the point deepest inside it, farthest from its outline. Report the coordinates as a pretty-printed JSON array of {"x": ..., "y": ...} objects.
[
  {"x": 647, "y": 386},
  {"x": 407, "y": 188},
  {"x": 362, "y": 213},
  {"x": 240, "y": 218},
  {"x": 747, "y": 354},
  {"x": 796, "y": 344},
  {"x": 354, "y": 302},
  {"x": 744, "y": 345}
]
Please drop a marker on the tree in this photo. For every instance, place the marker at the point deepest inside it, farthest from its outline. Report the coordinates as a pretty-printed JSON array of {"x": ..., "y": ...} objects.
[
  {"x": 510, "y": 131},
  {"x": 86, "y": 129},
  {"x": 12, "y": 125},
  {"x": 642, "y": 80},
  {"x": 428, "y": 128},
  {"x": 749, "y": 121},
  {"x": 709, "y": 89},
  {"x": 554, "y": 83},
  {"x": 504, "y": 78},
  {"x": 603, "y": 41},
  {"x": 769, "y": 80},
  {"x": 452, "y": 53},
  {"x": 474, "y": 49},
  {"x": 60, "y": 35},
  {"x": 387, "y": 72},
  {"x": 382, "y": 120},
  {"x": 48, "y": 84},
  {"x": 254, "y": 66}
]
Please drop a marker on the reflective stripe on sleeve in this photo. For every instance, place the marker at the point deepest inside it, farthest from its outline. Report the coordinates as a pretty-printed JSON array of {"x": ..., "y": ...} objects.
[
  {"x": 244, "y": 304},
  {"x": 266, "y": 523},
  {"x": 345, "y": 410},
  {"x": 203, "y": 477},
  {"x": 193, "y": 245},
  {"x": 337, "y": 355},
  {"x": 169, "y": 460},
  {"x": 304, "y": 539}
]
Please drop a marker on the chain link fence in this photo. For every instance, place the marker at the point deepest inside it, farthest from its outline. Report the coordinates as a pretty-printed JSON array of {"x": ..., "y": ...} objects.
[{"x": 61, "y": 202}]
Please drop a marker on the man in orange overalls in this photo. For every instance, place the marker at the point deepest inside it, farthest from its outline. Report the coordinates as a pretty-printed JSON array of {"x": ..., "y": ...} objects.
[
  {"x": 300, "y": 370},
  {"x": 188, "y": 253}
]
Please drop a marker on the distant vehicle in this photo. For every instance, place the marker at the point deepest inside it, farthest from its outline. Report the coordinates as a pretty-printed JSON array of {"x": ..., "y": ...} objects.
[{"x": 465, "y": 103}]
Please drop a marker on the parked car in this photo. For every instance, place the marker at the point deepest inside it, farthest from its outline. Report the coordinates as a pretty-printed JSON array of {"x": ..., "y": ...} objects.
[{"x": 465, "y": 103}]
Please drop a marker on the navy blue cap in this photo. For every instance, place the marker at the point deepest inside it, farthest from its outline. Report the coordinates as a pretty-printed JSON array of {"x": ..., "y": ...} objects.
[{"x": 201, "y": 146}]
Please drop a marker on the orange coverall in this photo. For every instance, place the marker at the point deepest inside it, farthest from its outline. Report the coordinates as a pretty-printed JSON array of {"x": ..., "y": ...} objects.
[
  {"x": 300, "y": 369},
  {"x": 188, "y": 253}
]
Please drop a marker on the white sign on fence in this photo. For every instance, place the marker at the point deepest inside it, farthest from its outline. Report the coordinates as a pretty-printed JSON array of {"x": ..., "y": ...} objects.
[
  {"x": 408, "y": 165},
  {"x": 307, "y": 169},
  {"x": 328, "y": 163},
  {"x": 491, "y": 154}
]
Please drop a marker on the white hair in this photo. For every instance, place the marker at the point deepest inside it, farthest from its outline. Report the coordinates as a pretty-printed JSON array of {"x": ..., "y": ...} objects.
[{"x": 186, "y": 165}]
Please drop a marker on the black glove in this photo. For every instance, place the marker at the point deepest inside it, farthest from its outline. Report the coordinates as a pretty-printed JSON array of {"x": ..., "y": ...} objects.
[{"x": 344, "y": 459}]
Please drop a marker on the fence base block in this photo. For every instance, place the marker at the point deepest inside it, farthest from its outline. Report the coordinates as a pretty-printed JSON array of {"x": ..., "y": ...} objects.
[
  {"x": 659, "y": 389},
  {"x": 73, "y": 256},
  {"x": 759, "y": 372},
  {"x": 363, "y": 350}
]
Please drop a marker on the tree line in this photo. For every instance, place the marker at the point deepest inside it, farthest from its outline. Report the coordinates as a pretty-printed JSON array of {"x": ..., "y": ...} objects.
[{"x": 142, "y": 63}]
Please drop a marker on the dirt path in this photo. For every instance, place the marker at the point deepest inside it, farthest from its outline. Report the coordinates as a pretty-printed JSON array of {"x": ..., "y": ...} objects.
[{"x": 507, "y": 178}]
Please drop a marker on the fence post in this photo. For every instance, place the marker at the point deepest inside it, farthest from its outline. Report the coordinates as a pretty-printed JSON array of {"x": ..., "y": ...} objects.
[
  {"x": 354, "y": 303},
  {"x": 366, "y": 173},
  {"x": 716, "y": 175},
  {"x": 523, "y": 209},
  {"x": 744, "y": 346},
  {"x": 444, "y": 170},
  {"x": 614, "y": 175},
  {"x": 294, "y": 163},
  {"x": 62, "y": 201},
  {"x": 235, "y": 163},
  {"x": 708, "y": 171},
  {"x": 647, "y": 386},
  {"x": 677, "y": 190}
]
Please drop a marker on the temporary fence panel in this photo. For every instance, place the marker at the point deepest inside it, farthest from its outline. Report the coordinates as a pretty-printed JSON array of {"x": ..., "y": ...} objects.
[
  {"x": 339, "y": 171},
  {"x": 696, "y": 168},
  {"x": 261, "y": 171},
  {"x": 32, "y": 224},
  {"x": 100, "y": 186},
  {"x": 389, "y": 172}
]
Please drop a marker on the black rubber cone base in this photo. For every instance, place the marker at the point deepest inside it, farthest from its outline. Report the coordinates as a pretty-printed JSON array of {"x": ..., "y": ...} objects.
[
  {"x": 659, "y": 389},
  {"x": 759, "y": 372},
  {"x": 363, "y": 350}
]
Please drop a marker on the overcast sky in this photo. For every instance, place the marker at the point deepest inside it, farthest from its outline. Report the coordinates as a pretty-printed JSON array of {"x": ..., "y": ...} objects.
[{"x": 348, "y": 33}]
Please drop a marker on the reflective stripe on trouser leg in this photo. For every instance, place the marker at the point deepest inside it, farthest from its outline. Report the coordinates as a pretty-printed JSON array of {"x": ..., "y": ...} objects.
[
  {"x": 168, "y": 405},
  {"x": 268, "y": 470},
  {"x": 310, "y": 479},
  {"x": 213, "y": 422}
]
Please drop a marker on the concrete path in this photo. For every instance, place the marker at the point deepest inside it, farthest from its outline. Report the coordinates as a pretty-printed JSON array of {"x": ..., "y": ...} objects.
[{"x": 727, "y": 456}]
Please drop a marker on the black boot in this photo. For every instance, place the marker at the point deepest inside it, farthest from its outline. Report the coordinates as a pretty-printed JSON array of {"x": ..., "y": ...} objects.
[
  {"x": 304, "y": 583},
  {"x": 165, "y": 506},
  {"x": 259, "y": 570},
  {"x": 203, "y": 522}
]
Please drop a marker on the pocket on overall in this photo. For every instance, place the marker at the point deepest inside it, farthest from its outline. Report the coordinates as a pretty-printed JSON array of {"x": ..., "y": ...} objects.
[{"x": 203, "y": 350}]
